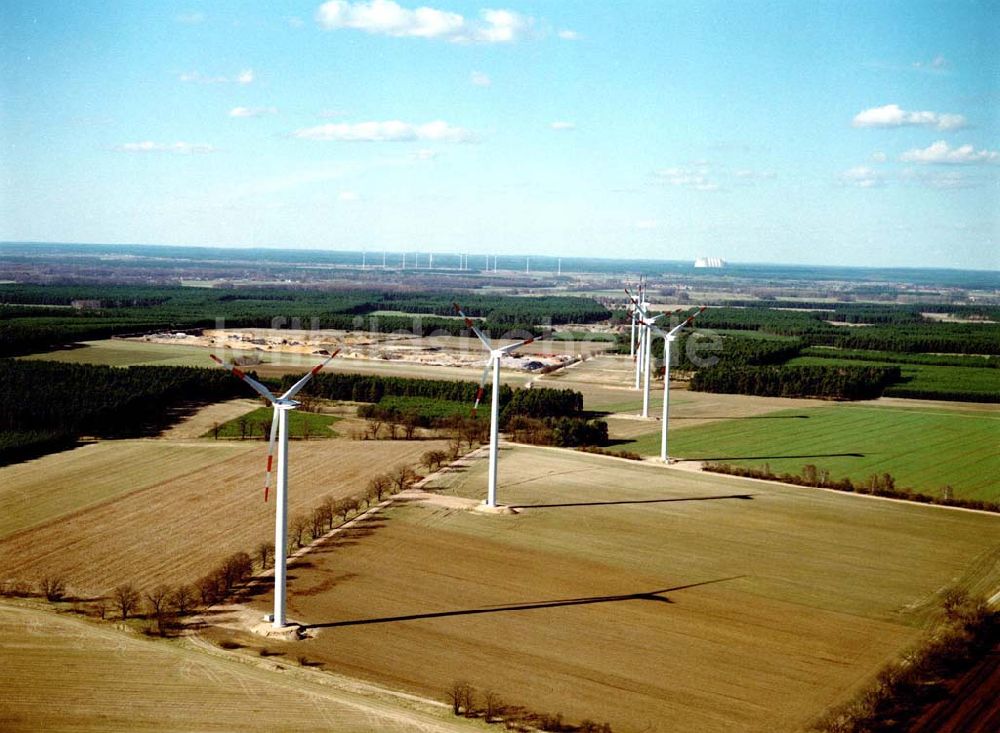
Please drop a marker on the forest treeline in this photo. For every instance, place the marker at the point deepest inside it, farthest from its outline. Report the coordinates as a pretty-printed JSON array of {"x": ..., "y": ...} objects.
[
  {"x": 46, "y": 406},
  {"x": 831, "y": 382},
  {"x": 537, "y": 401},
  {"x": 40, "y": 316}
]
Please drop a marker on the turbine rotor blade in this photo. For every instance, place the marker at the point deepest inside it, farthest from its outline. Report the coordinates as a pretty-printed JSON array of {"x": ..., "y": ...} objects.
[
  {"x": 240, "y": 374},
  {"x": 687, "y": 321},
  {"x": 270, "y": 453},
  {"x": 482, "y": 385},
  {"x": 293, "y": 390},
  {"x": 469, "y": 322}
]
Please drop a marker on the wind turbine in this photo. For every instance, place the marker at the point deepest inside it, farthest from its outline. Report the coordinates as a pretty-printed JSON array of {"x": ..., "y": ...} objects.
[
  {"x": 492, "y": 361},
  {"x": 668, "y": 338},
  {"x": 279, "y": 432}
]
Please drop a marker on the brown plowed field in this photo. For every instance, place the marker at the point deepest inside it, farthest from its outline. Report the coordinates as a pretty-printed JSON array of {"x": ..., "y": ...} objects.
[
  {"x": 181, "y": 517},
  {"x": 638, "y": 595}
]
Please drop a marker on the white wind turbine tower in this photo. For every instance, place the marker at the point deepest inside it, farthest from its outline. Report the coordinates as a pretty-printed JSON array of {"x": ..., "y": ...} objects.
[
  {"x": 668, "y": 338},
  {"x": 279, "y": 433},
  {"x": 640, "y": 357},
  {"x": 492, "y": 361}
]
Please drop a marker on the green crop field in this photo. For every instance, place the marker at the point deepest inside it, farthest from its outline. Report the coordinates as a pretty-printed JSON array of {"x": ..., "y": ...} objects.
[
  {"x": 258, "y": 424},
  {"x": 427, "y": 407},
  {"x": 116, "y": 352},
  {"x": 923, "y": 448},
  {"x": 931, "y": 381}
]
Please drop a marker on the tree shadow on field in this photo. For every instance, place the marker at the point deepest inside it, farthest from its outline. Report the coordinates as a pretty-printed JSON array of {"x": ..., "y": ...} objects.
[
  {"x": 653, "y": 595},
  {"x": 773, "y": 458},
  {"x": 748, "y": 497}
]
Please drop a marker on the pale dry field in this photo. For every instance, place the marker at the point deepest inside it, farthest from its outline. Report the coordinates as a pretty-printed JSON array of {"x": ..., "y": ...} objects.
[
  {"x": 647, "y": 597},
  {"x": 63, "y": 673},
  {"x": 157, "y": 511},
  {"x": 60, "y": 484},
  {"x": 201, "y": 421}
]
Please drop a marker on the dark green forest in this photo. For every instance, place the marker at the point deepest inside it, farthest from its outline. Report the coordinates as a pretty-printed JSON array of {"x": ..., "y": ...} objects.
[
  {"x": 47, "y": 406},
  {"x": 36, "y": 317}
]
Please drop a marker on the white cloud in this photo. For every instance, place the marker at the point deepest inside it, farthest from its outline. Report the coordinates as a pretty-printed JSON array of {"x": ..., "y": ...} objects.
[
  {"x": 694, "y": 177},
  {"x": 148, "y": 146},
  {"x": 941, "y": 152},
  {"x": 646, "y": 224},
  {"x": 385, "y": 17},
  {"x": 252, "y": 111},
  {"x": 480, "y": 79},
  {"x": 196, "y": 77},
  {"x": 563, "y": 125},
  {"x": 938, "y": 63},
  {"x": 747, "y": 175},
  {"x": 349, "y": 196},
  {"x": 388, "y": 131},
  {"x": 426, "y": 154},
  {"x": 862, "y": 177},
  {"x": 568, "y": 35},
  {"x": 891, "y": 115},
  {"x": 190, "y": 18},
  {"x": 879, "y": 157}
]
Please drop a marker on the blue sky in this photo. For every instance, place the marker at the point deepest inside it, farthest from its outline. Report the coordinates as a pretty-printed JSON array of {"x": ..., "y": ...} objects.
[{"x": 803, "y": 132}]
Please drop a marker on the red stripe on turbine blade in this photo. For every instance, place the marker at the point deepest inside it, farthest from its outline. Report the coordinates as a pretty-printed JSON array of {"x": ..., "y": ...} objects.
[
  {"x": 479, "y": 394},
  {"x": 269, "y": 460},
  {"x": 239, "y": 373},
  {"x": 265, "y": 493},
  {"x": 316, "y": 368},
  {"x": 216, "y": 359}
]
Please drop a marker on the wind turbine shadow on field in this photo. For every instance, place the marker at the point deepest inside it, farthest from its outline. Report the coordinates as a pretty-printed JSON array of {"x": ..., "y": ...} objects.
[
  {"x": 634, "y": 501},
  {"x": 654, "y": 595},
  {"x": 773, "y": 458}
]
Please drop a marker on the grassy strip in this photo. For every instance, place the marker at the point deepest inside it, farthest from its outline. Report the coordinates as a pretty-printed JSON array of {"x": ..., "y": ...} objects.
[
  {"x": 905, "y": 688},
  {"x": 257, "y": 424},
  {"x": 875, "y": 485}
]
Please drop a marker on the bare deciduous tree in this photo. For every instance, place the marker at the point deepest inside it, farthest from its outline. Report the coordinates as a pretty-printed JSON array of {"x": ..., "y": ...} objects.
[
  {"x": 157, "y": 601},
  {"x": 410, "y": 424},
  {"x": 183, "y": 599},
  {"x": 492, "y": 705},
  {"x": 317, "y": 521},
  {"x": 265, "y": 553},
  {"x": 403, "y": 477},
  {"x": 300, "y": 523},
  {"x": 126, "y": 599},
  {"x": 53, "y": 587},
  {"x": 458, "y": 695}
]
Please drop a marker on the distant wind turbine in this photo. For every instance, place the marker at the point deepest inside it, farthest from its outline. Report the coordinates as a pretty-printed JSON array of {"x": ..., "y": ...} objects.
[
  {"x": 668, "y": 338},
  {"x": 493, "y": 361},
  {"x": 279, "y": 433}
]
